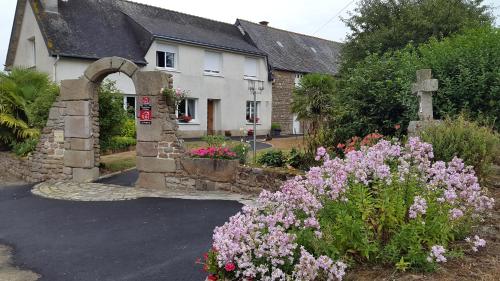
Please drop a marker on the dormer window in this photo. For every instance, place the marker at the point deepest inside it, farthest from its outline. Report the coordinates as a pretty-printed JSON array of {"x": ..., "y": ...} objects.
[
  {"x": 314, "y": 50},
  {"x": 279, "y": 44}
]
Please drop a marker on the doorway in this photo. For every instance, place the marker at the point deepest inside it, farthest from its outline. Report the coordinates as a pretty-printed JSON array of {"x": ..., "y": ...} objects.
[{"x": 210, "y": 117}]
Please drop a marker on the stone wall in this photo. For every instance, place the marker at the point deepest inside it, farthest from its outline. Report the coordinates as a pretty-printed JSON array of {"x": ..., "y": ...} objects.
[
  {"x": 284, "y": 83},
  {"x": 47, "y": 161},
  {"x": 245, "y": 180},
  {"x": 18, "y": 167}
]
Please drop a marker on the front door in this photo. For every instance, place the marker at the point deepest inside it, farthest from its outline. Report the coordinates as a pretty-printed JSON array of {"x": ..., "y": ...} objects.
[{"x": 210, "y": 117}]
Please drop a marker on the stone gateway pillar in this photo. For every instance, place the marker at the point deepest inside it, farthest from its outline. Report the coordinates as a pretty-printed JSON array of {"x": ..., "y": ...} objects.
[{"x": 157, "y": 145}]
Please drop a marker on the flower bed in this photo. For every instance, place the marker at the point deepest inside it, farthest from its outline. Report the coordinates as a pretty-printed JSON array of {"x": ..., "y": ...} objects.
[{"x": 387, "y": 204}]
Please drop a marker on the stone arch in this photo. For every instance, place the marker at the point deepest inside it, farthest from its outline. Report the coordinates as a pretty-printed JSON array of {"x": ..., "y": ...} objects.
[{"x": 158, "y": 148}]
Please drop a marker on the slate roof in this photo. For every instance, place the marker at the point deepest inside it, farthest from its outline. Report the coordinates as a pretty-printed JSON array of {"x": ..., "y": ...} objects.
[
  {"x": 100, "y": 28},
  {"x": 296, "y": 53}
]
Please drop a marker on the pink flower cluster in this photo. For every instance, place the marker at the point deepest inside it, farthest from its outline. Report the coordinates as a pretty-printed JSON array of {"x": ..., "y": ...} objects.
[
  {"x": 260, "y": 240},
  {"x": 436, "y": 254},
  {"x": 477, "y": 242},
  {"x": 213, "y": 152},
  {"x": 419, "y": 206}
]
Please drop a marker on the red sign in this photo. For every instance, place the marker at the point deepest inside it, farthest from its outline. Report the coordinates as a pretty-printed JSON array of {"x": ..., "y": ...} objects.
[
  {"x": 145, "y": 115},
  {"x": 146, "y": 100}
]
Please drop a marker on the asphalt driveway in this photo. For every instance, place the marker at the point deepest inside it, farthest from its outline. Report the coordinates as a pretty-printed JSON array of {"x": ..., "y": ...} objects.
[{"x": 148, "y": 239}]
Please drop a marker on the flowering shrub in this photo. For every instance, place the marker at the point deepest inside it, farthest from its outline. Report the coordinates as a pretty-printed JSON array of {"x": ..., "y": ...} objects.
[
  {"x": 213, "y": 152},
  {"x": 356, "y": 142},
  {"x": 387, "y": 204},
  {"x": 175, "y": 96}
]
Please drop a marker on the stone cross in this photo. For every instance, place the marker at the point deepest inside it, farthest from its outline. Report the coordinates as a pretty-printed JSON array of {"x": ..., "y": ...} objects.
[{"x": 423, "y": 89}]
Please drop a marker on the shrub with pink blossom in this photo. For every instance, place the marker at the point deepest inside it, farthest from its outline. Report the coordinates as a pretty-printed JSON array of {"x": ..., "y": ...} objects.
[
  {"x": 213, "y": 153},
  {"x": 387, "y": 204}
]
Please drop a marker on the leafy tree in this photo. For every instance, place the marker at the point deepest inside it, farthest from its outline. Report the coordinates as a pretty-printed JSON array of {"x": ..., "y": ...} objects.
[
  {"x": 25, "y": 99},
  {"x": 468, "y": 69},
  {"x": 313, "y": 102},
  {"x": 379, "y": 26},
  {"x": 112, "y": 115},
  {"x": 376, "y": 93}
]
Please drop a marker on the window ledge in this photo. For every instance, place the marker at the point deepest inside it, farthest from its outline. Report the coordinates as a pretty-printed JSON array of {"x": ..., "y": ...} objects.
[
  {"x": 258, "y": 124},
  {"x": 167, "y": 69},
  {"x": 213, "y": 74},
  {"x": 250, "y": 78},
  {"x": 190, "y": 123}
]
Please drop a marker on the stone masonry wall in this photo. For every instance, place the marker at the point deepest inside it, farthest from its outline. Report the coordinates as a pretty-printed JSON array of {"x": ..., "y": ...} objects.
[
  {"x": 247, "y": 180},
  {"x": 47, "y": 162},
  {"x": 284, "y": 83},
  {"x": 19, "y": 167}
]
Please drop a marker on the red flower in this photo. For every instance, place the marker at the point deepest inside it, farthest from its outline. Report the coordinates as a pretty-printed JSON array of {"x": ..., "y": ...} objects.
[
  {"x": 230, "y": 266},
  {"x": 212, "y": 277},
  {"x": 340, "y": 146},
  {"x": 205, "y": 267}
]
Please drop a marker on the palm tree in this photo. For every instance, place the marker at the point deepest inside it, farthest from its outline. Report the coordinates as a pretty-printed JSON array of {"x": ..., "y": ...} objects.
[{"x": 19, "y": 90}]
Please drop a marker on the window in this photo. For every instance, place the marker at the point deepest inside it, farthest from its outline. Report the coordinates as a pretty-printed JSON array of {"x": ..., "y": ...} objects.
[
  {"x": 186, "y": 110},
  {"x": 31, "y": 58},
  {"x": 213, "y": 62},
  {"x": 250, "y": 67},
  {"x": 165, "y": 59},
  {"x": 298, "y": 77},
  {"x": 251, "y": 112},
  {"x": 129, "y": 104}
]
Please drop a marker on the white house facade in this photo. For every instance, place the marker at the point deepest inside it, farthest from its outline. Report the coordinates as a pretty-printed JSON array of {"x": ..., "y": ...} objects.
[{"x": 213, "y": 69}]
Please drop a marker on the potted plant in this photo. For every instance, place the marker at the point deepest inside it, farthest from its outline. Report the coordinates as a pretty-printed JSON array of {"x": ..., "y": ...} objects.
[
  {"x": 185, "y": 118},
  {"x": 250, "y": 119},
  {"x": 214, "y": 163},
  {"x": 275, "y": 129}
]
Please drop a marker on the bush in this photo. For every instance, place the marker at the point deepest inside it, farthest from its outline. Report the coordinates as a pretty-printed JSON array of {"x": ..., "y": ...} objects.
[
  {"x": 213, "y": 153},
  {"x": 387, "y": 204},
  {"x": 241, "y": 151},
  {"x": 112, "y": 115},
  {"x": 25, "y": 147},
  {"x": 128, "y": 129},
  {"x": 118, "y": 143},
  {"x": 214, "y": 140},
  {"x": 458, "y": 137},
  {"x": 272, "y": 158},
  {"x": 275, "y": 126},
  {"x": 300, "y": 160}
]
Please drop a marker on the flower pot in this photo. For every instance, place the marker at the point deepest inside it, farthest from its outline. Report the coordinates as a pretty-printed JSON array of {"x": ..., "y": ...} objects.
[{"x": 220, "y": 170}]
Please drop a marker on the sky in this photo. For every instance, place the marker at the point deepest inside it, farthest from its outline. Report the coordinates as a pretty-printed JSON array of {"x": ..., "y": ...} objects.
[{"x": 319, "y": 18}]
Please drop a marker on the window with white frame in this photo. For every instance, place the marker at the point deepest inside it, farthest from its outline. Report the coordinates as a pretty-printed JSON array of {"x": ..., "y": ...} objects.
[
  {"x": 166, "y": 57},
  {"x": 252, "y": 112},
  {"x": 298, "y": 77},
  {"x": 186, "y": 110},
  {"x": 251, "y": 67},
  {"x": 213, "y": 62}
]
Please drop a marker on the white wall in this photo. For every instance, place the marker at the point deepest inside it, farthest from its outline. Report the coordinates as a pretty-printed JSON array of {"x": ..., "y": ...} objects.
[
  {"x": 230, "y": 89},
  {"x": 24, "y": 52}
]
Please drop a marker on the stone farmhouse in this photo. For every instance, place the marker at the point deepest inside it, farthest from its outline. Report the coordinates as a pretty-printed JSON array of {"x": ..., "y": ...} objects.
[{"x": 211, "y": 60}]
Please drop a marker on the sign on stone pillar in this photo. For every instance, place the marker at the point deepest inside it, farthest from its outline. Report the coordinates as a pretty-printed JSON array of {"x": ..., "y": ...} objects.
[{"x": 423, "y": 88}]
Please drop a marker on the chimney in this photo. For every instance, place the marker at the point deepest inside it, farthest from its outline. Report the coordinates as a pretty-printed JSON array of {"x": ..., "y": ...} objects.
[
  {"x": 264, "y": 23},
  {"x": 50, "y": 6}
]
